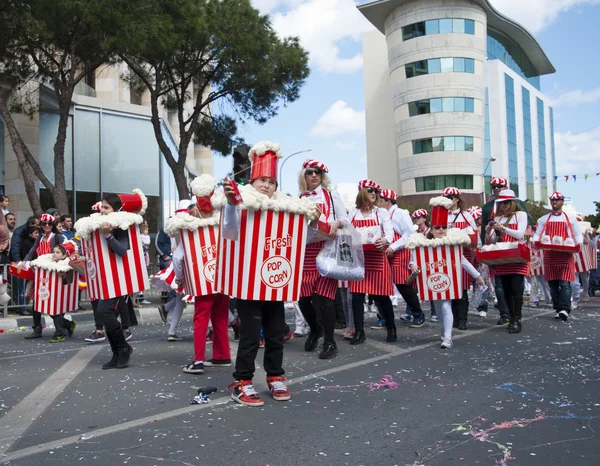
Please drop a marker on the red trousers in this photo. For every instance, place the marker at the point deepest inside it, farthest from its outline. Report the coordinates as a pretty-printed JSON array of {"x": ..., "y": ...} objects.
[{"x": 214, "y": 307}]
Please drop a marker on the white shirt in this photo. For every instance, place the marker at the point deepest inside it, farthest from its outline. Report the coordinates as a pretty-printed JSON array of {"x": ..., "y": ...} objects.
[
  {"x": 384, "y": 220},
  {"x": 337, "y": 204},
  {"x": 402, "y": 224},
  {"x": 559, "y": 218},
  {"x": 520, "y": 218}
]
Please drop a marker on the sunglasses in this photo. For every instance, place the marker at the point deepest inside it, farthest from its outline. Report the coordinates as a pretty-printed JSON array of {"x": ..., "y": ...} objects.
[
  {"x": 46, "y": 223},
  {"x": 451, "y": 197},
  {"x": 373, "y": 190},
  {"x": 311, "y": 172},
  {"x": 497, "y": 186},
  {"x": 442, "y": 227}
]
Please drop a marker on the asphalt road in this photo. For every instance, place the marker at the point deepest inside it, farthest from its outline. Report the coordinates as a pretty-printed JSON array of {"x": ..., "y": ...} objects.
[{"x": 495, "y": 398}]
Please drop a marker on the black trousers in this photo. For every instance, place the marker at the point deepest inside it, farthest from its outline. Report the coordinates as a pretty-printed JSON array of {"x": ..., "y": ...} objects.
[
  {"x": 124, "y": 309},
  {"x": 412, "y": 299},
  {"x": 270, "y": 315},
  {"x": 513, "y": 286},
  {"x": 61, "y": 325},
  {"x": 460, "y": 309},
  {"x": 338, "y": 302},
  {"x": 384, "y": 304},
  {"x": 37, "y": 320},
  {"x": 319, "y": 311},
  {"x": 112, "y": 327}
]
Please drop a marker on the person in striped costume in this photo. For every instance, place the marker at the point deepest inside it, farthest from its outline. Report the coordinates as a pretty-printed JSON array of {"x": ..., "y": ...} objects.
[
  {"x": 419, "y": 219},
  {"x": 317, "y": 301},
  {"x": 399, "y": 257},
  {"x": 377, "y": 232},
  {"x": 559, "y": 267},
  {"x": 509, "y": 226}
]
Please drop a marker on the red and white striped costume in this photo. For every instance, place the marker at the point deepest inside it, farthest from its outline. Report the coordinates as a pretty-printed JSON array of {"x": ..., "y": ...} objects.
[
  {"x": 463, "y": 221},
  {"x": 378, "y": 273},
  {"x": 402, "y": 225},
  {"x": 53, "y": 295},
  {"x": 517, "y": 227},
  {"x": 312, "y": 280},
  {"x": 559, "y": 265}
]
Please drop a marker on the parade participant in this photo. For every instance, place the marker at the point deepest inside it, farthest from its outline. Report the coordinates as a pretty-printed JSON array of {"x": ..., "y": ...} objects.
[
  {"x": 419, "y": 219},
  {"x": 399, "y": 257},
  {"x": 483, "y": 269},
  {"x": 112, "y": 244},
  {"x": 440, "y": 235},
  {"x": 458, "y": 217},
  {"x": 375, "y": 227},
  {"x": 44, "y": 244},
  {"x": 509, "y": 226},
  {"x": 254, "y": 201},
  {"x": 318, "y": 292},
  {"x": 197, "y": 232},
  {"x": 559, "y": 267}
]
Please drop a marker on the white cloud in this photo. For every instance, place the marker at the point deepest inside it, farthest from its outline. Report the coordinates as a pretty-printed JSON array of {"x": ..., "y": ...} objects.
[
  {"x": 339, "y": 119},
  {"x": 322, "y": 25},
  {"x": 578, "y": 152},
  {"x": 576, "y": 97},
  {"x": 536, "y": 14}
]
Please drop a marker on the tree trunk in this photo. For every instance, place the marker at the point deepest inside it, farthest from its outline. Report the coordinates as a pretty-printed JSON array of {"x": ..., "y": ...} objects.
[
  {"x": 59, "y": 193},
  {"x": 21, "y": 152},
  {"x": 181, "y": 181}
]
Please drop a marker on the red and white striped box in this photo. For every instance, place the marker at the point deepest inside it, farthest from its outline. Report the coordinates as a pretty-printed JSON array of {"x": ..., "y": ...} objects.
[
  {"x": 441, "y": 272},
  {"x": 200, "y": 260},
  {"x": 52, "y": 295},
  {"x": 537, "y": 262},
  {"x": 265, "y": 262},
  {"x": 110, "y": 276},
  {"x": 586, "y": 259}
]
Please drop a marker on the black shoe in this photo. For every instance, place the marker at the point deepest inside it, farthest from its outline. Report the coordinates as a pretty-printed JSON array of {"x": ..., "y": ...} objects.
[
  {"x": 358, "y": 338},
  {"x": 462, "y": 325},
  {"x": 112, "y": 364},
  {"x": 515, "y": 327},
  {"x": 163, "y": 313},
  {"x": 503, "y": 321},
  {"x": 329, "y": 351},
  {"x": 391, "y": 335},
  {"x": 124, "y": 354},
  {"x": 311, "y": 342},
  {"x": 340, "y": 325},
  {"x": 37, "y": 333}
]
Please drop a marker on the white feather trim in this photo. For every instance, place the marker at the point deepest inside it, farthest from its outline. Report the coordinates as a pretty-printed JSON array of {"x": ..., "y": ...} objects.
[
  {"x": 203, "y": 185},
  {"x": 453, "y": 237},
  {"x": 123, "y": 220},
  {"x": 45, "y": 262},
  {"x": 262, "y": 147},
  {"x": 441, "y": 201},
  {"x": 280, "y": 202},
  {"x": 144, "y": 200},
  {"x": 185, "y": 221}
]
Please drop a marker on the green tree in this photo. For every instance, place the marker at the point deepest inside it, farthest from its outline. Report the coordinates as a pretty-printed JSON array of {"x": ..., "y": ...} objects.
[
  {"x": 536, "y": 210},
  {"x": 594, "y": 219},
  {"x": 214, "y": 63}
]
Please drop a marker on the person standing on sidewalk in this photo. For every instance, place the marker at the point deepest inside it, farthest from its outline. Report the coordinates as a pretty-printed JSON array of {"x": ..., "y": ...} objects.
[{"x": 559, "y": 267}]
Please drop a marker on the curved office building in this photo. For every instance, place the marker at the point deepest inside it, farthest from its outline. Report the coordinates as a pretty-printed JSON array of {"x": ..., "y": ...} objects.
[{"x": 452, "y": 96}]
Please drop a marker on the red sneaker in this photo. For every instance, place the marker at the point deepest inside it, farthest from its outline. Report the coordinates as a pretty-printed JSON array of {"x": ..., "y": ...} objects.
[
  {"x": 278, "y": 388},
  {"x": 288, "y": 336},
  {"x": 244, "y": 393}
]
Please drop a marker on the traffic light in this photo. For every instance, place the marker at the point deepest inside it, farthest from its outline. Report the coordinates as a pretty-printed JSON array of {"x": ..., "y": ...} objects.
[{"x": 241, "y": 164}]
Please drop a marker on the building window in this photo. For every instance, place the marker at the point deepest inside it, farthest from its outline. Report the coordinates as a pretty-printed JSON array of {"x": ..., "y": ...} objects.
[
  {"x": 527, "y": 143},
  {"x": 542, "y": 145},
  {"x": 443, "y": 144},
  {"x": 511, "y": 134},
  {"x": 439, "y": 26},
  {"x": 442, "y": 104},
  {"x": 551, "y": 144},
  {"x": 440, "y": 65},
  {"x": 439, "y": 182}
]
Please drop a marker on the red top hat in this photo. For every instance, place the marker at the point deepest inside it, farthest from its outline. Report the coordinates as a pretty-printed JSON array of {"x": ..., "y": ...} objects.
[
  {"x": 439, "y": 210},
  {"x": 70, "y": 247},
  {"x": 135, "y": 203},
  {"x": 203, "y": 188},
  {"x": 264, "y": 157}
]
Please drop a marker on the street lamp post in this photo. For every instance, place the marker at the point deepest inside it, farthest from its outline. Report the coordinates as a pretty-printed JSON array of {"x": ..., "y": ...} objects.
[
  {"x": 283, "y": 163},
  {"x": 492, "y": 159}
]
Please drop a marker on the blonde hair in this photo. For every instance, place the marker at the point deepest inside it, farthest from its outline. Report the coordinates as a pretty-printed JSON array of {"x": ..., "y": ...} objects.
[
  {"x": 512, "y": 207},
  {"x": 363, "y": 201},
  {"x": 325, "y": 181}
]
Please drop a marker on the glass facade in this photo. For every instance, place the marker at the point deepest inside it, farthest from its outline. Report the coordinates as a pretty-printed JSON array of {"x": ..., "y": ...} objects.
[
  {"x": 439, "y": 182},
  {"x": 443, "y": 144},
  {"x": 542, "y": 147},
  {"x": 440, "y": 65},
  {"x": 444, "y": 104},
  {"x": 528, "y": 143},
  {"x": 511, "y": 135},
  {"x": 509, "y": 53},
  {"x": 439, "y": 26},
  {"x": 552, "y": 145},
  {"x": 487, "y": 147}
]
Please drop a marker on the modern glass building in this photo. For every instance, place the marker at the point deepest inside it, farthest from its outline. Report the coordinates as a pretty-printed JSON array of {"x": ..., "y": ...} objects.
[{"x": 452, "y": 98}]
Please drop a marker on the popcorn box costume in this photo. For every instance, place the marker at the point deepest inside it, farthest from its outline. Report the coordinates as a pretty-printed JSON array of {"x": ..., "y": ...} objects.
[{"x": 55, "y": 293}]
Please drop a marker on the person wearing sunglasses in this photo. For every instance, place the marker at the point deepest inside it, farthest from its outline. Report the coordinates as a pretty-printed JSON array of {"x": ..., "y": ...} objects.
[
  {"x": 317, "y": 293},
  {"x": 460, "y": 218},
  {"x": 45, "y": 243},
  {"x": 377, "y": 231}
]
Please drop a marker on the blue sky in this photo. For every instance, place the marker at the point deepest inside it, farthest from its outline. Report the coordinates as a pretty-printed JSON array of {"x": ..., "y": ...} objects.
[{"x": 329, "y": 116}]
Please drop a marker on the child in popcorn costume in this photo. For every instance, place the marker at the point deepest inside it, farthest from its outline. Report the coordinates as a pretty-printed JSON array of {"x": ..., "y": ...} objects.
[{"x": 253, "y": 314}]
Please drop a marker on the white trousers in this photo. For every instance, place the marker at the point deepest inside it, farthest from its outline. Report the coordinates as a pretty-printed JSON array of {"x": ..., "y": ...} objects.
[{"x": 443, "y": 309}]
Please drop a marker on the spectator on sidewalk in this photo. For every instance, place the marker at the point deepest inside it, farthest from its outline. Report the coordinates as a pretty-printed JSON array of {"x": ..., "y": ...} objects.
[
  {"x": 67, "y": 226},
  {"x": 11, "y": 223},
  {"x": 4, "y": 203}
]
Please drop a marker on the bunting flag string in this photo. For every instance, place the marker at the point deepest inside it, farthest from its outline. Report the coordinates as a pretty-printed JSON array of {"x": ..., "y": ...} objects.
[{"x": 566, "y": 177}]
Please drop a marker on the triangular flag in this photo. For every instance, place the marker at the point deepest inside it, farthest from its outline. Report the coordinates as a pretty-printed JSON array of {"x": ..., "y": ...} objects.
[
  {"x": 566, "y": 178},
  {"x": 536, "y": 178},
  {"x": 555, "y": 178},
  {"x": 543, "y": 177},
  {"x": 597, "y": 174},
  {"x": 585, "y": 176},
  {"x": 574, "y": 178}
]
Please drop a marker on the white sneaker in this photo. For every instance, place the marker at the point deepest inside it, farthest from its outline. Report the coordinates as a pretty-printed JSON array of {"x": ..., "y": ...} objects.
[
  {"x": 446, "y": 344},
  {"x": 301, "y": 330},
  {"x": 348, "y": 334},
  {"x": 564, "y": 315},
  {"x": 575, "y": 304},
  {"x": 373, "y": 308},
  {"x": 482, "y": 314},
  {"x": 145, "y": 301},
  {"x": 434, "y": 318},
  {"x": 395, "y": 301}
]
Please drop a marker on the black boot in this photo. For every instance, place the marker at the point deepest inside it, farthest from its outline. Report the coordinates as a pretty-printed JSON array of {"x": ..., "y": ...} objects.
[
  {"x": 37, "y": 333},
  {"x": 330, "y": 350},
  {"x": 124, "y": 355},
  {"x": 358, "y": 338},
  {"x": 391, "y": 335},
  {"x": 112, "y": 364},
  {"x": 311, "y": 342},
  {"x": 515, "y": 327}
]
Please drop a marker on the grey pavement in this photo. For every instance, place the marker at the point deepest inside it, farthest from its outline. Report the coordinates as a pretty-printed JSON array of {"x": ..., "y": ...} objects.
[{"x": 494, "y": 398}]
